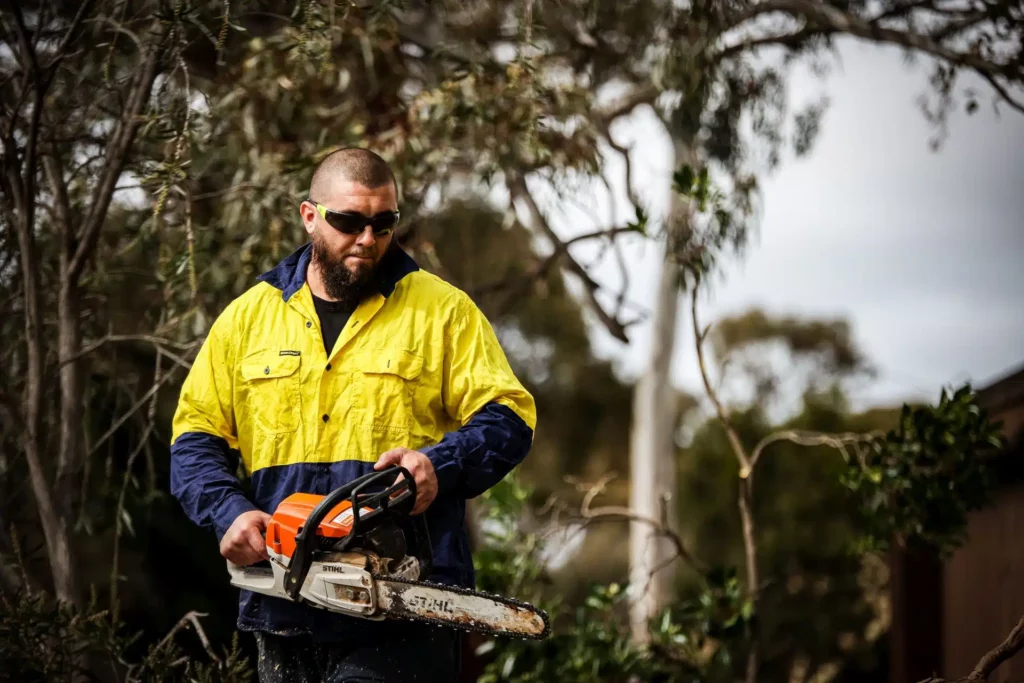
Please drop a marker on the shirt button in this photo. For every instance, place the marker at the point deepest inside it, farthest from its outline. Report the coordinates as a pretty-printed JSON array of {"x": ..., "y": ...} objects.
[
  {"x": 266, "y": 370},
  {"x": 328, "y": 366},
  {"x": 326, "y": 417},
  {"x": 309, "y": 323}
]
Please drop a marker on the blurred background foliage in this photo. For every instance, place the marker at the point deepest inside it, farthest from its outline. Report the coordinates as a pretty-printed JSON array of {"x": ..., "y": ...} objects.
[{"x": 466, "y": 99}]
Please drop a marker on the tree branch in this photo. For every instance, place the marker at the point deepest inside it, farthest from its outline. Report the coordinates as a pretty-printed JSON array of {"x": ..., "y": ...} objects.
[
  {"x": 827, "y": 18},
  {"x": 62, "y": 205},
  {"x": 1013, "y": 644},
  {"x": 746, "y": 489},
  {"x": 734, "y": 439},
  {"x": 117, "y": 154},
  {"x": 792, "y": 40},
  {"x": 992, "y": 659},
  {"x": 70, "y": 34},
  {"x": 805, "y": 438},
  {"x": 131, "y": 411},
  {"x": 612, "y": 513},
  {"x": 22, "y": 192},
  {"x": 159, "y": 342},
  {"x": 644, "y": 94},
  {"x": 518, "y": 190}
]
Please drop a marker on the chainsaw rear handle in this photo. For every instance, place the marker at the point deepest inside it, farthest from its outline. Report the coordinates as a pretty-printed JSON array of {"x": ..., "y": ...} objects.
[{"x": 396, "y": 499}]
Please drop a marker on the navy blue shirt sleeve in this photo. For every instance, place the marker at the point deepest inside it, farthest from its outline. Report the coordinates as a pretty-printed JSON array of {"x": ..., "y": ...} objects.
[
  {"x": 478, "y": 455},
  {"x": 204, "y": 482}
]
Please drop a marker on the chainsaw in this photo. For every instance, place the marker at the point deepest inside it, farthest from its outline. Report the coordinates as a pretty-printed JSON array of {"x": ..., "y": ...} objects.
[{"x": 347, "y": 552}]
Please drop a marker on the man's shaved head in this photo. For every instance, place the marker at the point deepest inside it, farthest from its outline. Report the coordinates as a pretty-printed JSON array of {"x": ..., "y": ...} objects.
[
  {"x": 351, "y": 181},
  {"x": 353, "y": 164}
]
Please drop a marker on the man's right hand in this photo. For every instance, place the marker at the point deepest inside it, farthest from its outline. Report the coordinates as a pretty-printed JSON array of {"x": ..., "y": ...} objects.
[{"x": 243, "y": 543}]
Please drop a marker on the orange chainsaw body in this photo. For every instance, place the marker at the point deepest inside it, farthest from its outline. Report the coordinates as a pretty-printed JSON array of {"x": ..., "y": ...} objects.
[{"x": 292, "y": 514}]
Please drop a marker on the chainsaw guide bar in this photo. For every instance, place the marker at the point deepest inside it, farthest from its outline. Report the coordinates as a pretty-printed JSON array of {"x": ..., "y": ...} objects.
[{"x": 419, "y": 607}]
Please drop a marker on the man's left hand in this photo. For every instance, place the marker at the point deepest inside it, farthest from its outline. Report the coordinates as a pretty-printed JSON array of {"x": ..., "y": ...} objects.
[{"x": 421, "y": 469}]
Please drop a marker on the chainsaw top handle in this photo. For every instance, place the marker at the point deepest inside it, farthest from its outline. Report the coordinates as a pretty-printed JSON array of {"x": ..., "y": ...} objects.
[{"x": 396, "y": 499}]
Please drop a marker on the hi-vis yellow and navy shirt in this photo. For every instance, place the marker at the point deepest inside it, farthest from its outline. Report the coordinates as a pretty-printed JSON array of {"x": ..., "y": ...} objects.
[{"x": 417, "y": 365}]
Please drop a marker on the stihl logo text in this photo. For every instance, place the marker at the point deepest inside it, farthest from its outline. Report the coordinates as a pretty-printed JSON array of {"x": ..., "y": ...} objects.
[{"x": 432, "y": 604}]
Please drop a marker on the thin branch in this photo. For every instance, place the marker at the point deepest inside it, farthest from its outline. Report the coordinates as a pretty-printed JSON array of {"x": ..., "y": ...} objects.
[
  {"x": 992, "y": 659},
  {"x": 734, "y": 439},
  {"x": 119, "y": 513},
  {"x": 999, "y": 88},
  {"x": 1013, "y": 644},
  {"x": 191, "y": 617},
  {"x": 644, "y": 94},
  {"x": 543, "y": 266},
  {"x": 238, "y": 188},
  {"x": 791, "y": 40},
  {"x": 26, "y": 46},
  {"x": 117, "y": 154},
  {"x": 518, "y": 190},
  {"x": 131, "y": 411},
  {"x": 609, "y": 233},
  {"x": 70, "y": 34},
  {"x": 830, "y": 19},
  {"x": 624, "y": 152},
  {"x": 612, "y": 513},
  {"x": 62, "y": 205},
  {"x": 160, "y": 343},
  {"x": 746, "y": 491},
  {"x": 806, "y": 438}
]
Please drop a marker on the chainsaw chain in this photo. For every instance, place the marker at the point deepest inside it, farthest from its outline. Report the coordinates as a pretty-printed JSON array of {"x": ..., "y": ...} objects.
[{"x": 466, "y": 591}]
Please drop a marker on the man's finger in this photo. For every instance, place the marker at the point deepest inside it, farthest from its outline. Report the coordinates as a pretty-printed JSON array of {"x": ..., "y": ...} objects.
[
  {"x": 257, "y": 543},
  {"x": 392, "y": 457},
  {"x": 425, "y": 495},
  {"x": 263, "y": 520}
]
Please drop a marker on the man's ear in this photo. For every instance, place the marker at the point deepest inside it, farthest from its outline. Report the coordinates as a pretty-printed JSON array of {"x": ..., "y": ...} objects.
[{"x": 308, "y": 214}]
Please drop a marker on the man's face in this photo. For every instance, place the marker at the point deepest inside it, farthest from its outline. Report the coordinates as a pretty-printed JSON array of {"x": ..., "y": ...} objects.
[{"x": 348, "y": 262}]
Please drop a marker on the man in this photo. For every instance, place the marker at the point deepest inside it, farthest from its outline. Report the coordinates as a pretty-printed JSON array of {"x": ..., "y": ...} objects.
[{"x": 346, "y": 357}]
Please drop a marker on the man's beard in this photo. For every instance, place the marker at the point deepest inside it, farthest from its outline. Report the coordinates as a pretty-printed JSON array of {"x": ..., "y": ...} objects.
[{"x": 340, "y": 283}]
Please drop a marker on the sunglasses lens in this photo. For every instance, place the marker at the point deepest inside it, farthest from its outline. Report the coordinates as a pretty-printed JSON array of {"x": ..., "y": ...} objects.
[
  {"x": 383, "y": 223},
  {"x": 348, "y": 223}
]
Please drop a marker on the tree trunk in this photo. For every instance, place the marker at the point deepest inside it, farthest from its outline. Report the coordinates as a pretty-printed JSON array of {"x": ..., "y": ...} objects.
[
  {"x": 55, "y": 529},
  {"x": 72, "y": 399},
  {"x": 652, "y": 446}
]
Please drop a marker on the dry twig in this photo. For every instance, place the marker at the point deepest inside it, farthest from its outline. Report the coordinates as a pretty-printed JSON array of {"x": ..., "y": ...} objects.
[{"x": 992, "y": 659}]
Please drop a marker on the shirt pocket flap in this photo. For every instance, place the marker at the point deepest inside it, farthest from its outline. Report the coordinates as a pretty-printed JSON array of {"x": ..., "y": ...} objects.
[
  {"x": 269, "y": 366},
  {"x": 400, "y": 362}
]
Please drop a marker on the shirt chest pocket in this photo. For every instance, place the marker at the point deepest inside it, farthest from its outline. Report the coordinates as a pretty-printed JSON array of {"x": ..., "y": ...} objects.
[
  {"x": 387, "y": 385},
  {"x": 271, "y": 382}
]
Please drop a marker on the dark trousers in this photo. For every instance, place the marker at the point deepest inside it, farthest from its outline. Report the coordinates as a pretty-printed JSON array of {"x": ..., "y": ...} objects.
[{"x": 404, "y": 652}]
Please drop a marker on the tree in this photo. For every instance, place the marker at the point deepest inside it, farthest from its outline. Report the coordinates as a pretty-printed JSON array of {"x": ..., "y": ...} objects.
[
  {"x": 833, "y": 491},
  {"x": 48, "y": 148},
  {"x": 188, "y": 112},
  {"x": 819, "y": 601},
  {"x": 722, "y": 59}
]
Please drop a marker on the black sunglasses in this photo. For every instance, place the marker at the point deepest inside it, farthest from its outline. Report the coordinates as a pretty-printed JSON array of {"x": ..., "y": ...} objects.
[{"x": 353, "y": 222}]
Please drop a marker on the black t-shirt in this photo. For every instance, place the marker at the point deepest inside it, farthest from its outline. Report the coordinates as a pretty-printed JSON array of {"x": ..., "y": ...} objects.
[{"x": 333, "y": 316}]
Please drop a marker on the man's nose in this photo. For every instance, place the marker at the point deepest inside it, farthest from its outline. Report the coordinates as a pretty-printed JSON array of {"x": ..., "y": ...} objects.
[{"x": 366, "y": 237}]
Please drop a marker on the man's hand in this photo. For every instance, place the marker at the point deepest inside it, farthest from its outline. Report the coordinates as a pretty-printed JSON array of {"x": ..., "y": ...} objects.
[
  {"x": 421, "y": 469},
  {"x": 243, "y": 543}
]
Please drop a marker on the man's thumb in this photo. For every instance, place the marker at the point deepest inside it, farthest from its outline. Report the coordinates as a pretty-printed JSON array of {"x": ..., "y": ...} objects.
[{"x": 263, "y": 520}]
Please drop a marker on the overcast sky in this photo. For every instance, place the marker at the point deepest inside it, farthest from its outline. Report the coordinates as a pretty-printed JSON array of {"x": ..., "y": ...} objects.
[{"x": 922, "y": 251}]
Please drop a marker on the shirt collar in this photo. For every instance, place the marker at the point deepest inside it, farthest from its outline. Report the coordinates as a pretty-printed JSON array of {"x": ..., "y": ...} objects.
[{"x": 290, "y": 274}]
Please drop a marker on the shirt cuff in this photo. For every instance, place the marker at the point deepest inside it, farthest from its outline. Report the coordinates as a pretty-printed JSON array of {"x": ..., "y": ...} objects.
[{"x": 229, "y": 511}]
